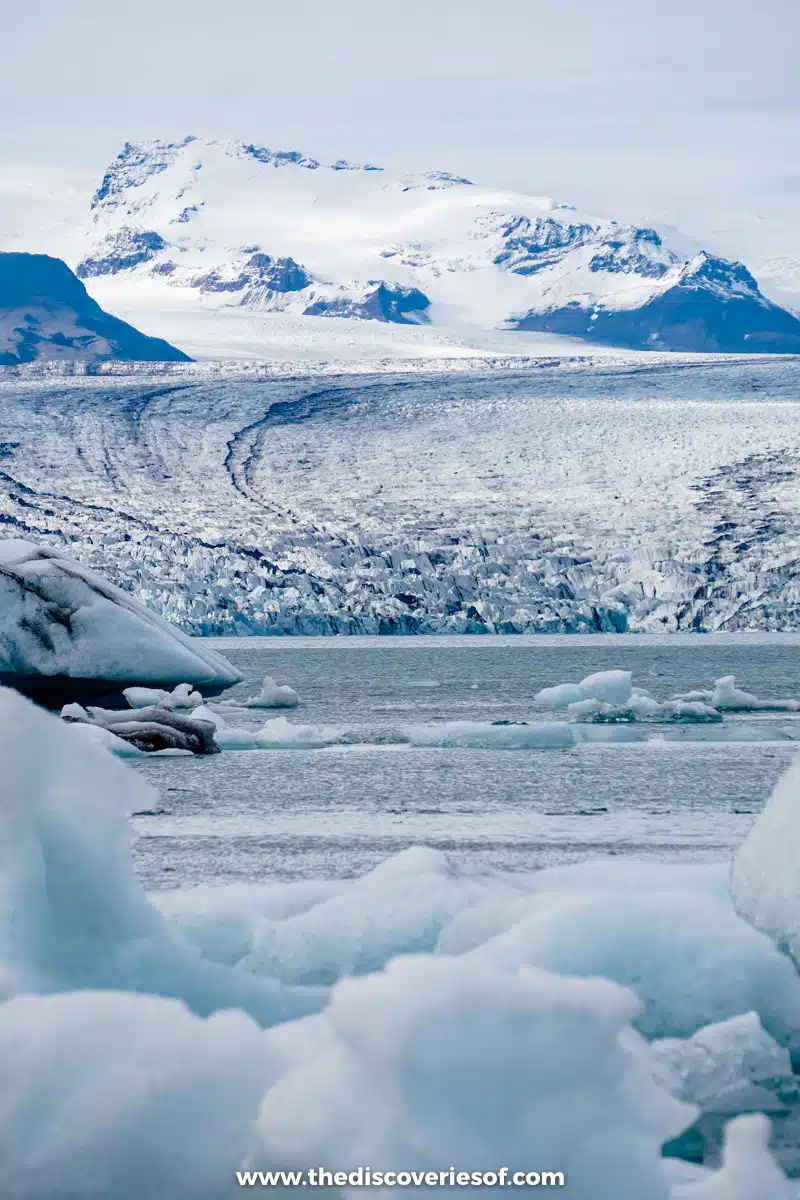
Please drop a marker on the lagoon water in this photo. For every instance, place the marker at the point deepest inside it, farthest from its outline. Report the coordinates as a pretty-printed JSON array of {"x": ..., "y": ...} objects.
[{"x": 675, "y": 792}]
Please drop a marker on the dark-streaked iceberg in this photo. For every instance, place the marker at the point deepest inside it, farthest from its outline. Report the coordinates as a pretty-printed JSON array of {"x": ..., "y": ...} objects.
[{"x": 66, "y": 634}]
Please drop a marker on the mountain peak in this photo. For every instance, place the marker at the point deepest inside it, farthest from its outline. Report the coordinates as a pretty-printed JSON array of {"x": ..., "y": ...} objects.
[{"x": 203, "y": 223}]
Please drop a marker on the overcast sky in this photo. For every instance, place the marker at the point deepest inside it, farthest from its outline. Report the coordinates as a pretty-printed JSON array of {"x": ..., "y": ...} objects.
[{"x": 618, "y": 106}]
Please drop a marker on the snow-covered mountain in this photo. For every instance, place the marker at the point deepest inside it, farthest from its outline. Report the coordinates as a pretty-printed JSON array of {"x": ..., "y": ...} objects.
[
  {"x": 228, "y": 228},
  {"x": 46, "y": 313}
]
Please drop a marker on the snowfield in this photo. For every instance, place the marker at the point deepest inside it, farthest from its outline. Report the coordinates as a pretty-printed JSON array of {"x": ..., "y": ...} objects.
[
  {"x": 637, "y": 494},
  {"x": 417, "y": 1017}
]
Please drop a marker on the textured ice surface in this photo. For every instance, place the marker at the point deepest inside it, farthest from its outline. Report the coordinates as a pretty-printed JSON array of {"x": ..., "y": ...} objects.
[
  {"x": 728, "y": 1067},
  {"x": 765, "y": 879},
  {"x": 75, "y": 913},
  {"x": 121, "y": 1096},
  {"x": 126, "y": 1074},
  {"x": 59, "y": 618},
  {"x": 434, "y": 1062},
  {"x": 401, "y": 503}
]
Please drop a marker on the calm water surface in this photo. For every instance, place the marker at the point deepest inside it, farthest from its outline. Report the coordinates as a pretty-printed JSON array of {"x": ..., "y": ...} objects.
[{"x": 688, "y": 792}]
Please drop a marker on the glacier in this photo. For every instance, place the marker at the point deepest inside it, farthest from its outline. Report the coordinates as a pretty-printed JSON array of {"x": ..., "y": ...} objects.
[
  {"x": 624, "y": 495},
  {"x": 394, "y": 1020}
]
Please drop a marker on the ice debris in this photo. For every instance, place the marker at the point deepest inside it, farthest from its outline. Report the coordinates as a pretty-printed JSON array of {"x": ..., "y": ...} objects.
[
  {"x": 128, "y": 1075},
  {"x": 609, "y": 696},
  {"x": 149, "y": 729}
]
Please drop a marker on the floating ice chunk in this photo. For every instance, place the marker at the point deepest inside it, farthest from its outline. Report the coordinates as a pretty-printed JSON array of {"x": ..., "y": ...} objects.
[
  {"x": 688, "y": 956},
  {"x": 182, "y": 696},
  {"x": 277, "y": 734},
  {"x": 441, "y": 1061},
  {"x": 118, "y": 1097},
  {"x": 151, "y": 729},
  {"x": 273, "y": 695},
  {"x": 281, "y": 734},
  {"x": 58, "y": 618},
  {"x": 80, "y": 917},
  {"x": 560, "y": 696},
  {"x": 398, "y": 908},
  {"x": 765, "y": 877},
  {"x": 613, "y": 687},
  {"x": 748, "y": 1172},
  {"x": 542, "y": 735},
  {"x": 727, "y": 696},
  {"x": 98, "y": 736},
  {"x": 693, "y": 711},
  {"x": 731, "y": 1067},
  {"x": 605, "y": 687},
  {"x": 643, "y": 708}
]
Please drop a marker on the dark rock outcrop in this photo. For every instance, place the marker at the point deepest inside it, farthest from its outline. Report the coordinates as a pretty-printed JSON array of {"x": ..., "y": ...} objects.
[
  {"x": 715, "y": 306},
  {"x": 387, "y": 302},
  {"x": 46, "y": 312}
]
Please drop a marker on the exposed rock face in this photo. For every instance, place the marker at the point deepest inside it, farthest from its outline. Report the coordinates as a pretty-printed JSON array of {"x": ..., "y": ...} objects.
[
  {"x": 46, "y": 312},
  {"x": 67, "y": 635},
  {"x": 386, "y": 302},
  {"x": 713, "y": 306},
  {"x": 128, "y": 248}
]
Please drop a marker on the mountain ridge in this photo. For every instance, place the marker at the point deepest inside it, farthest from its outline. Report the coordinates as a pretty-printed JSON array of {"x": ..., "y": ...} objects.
[
  {"x": 200, "y": 224},
  {"x": 46, "y": 312}
]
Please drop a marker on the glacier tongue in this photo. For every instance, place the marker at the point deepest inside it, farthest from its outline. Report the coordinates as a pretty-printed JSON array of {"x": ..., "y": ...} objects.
[{"x": 561, "y": 499}]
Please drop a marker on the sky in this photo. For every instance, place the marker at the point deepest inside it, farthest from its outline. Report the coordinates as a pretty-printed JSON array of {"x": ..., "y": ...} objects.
[{"x": 687, "y": 110}]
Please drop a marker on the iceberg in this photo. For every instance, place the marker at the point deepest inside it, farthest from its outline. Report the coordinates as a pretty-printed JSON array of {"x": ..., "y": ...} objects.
[
  {"x": 182, "y": 696},
  {"x": 68, "y": 635},
  {"x": 273, "y": 695},
  {"x": 435, "y": 1062},
  {"x": 75, "y": 915},
  {"x": 607, "y": 687},
  {"x": 121, "y": 1096},
  {"x": 150, "y": 729},
  {"x": 765, "y": 876},
  {"x": 610, "y": 696},
  {"x": 727, "y": 696}
]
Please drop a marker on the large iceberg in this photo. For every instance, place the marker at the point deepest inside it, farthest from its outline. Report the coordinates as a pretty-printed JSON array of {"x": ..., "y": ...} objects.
[
  {"x": 73, "y": 912},
  {"x": 66, "y": 634}
]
